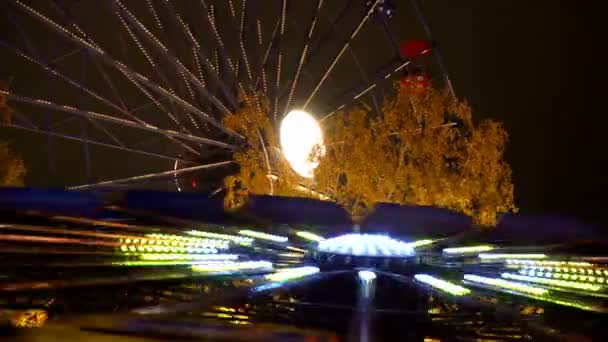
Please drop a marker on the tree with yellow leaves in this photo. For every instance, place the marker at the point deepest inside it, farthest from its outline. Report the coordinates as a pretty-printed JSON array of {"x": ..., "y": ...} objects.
[
  {"x": 12, "y": 168},
  {"x": 423, "y": 150}
]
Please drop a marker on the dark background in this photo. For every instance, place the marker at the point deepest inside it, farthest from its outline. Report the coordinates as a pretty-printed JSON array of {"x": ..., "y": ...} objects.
[{"x": 538, "y": 66}]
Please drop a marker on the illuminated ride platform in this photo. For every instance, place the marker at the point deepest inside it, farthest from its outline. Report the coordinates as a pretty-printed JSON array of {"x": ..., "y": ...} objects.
[
  {"x": 177, "y": 265},
  {"x": 373, "y": 251}
]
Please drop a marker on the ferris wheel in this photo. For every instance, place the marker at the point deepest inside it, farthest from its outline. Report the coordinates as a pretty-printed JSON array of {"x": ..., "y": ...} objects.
[{"x": 155, "y": 78}]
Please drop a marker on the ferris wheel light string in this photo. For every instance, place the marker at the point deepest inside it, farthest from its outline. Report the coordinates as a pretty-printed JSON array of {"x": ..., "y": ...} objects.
[
  {"x": 303, "y": 55},
  {"x": 179, "y": 65},
  {"x": 346, "y": 45}
]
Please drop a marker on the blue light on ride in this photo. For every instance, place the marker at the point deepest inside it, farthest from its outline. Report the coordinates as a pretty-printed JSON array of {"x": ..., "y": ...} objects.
[{"x": 370, "y": 245}]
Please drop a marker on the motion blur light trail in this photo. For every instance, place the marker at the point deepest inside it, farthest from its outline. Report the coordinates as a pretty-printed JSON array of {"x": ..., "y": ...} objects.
[
  {"x": 553, "y": 282},
  {"x": 442, "y": 285},
  {"x": 467, "y": 250},
  {"x": 263, "y": 236},
  {"x": 235, "y": 238},
  {"x": 489, "y": 256},
  {"x": 310, "y": 236},
  {"x": 293, "y": 273}
]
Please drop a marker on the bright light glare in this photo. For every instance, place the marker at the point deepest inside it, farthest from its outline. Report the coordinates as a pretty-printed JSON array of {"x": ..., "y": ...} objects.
[
  {"x": 442, "y": 285},
  {"x": 366, "y": 245},
  {"x": 367, "y": 285},
  {"x": 367, "y": 275},
  {"x": 300, "y": 133}
]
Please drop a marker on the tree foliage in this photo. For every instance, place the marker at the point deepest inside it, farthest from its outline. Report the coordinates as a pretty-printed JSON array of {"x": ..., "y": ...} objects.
[
  {"x": 422, "y": 150},
  {"x": 12, "y": 168}
]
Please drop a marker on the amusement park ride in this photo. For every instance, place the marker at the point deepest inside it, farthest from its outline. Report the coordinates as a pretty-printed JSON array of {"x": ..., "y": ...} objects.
[{"x": 154, "y": 78}]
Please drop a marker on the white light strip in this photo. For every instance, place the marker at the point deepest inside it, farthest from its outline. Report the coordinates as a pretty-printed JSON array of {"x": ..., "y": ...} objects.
[
  {"x": 263, "y": 236},
  {"x": 310, "y": 236},
  {"x": 469, "y": 249},
  {"x": 511, "y": 256},
  {"x": 505, "y": 284},
  {"x": 235, "y": 238},
  {"x": 553, "y": 282},
  {"x": 293, "y": 273},
  {"x": 442, "y": 284}
]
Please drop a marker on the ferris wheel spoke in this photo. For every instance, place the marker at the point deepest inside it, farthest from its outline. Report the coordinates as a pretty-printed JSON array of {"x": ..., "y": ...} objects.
[
  {"x": 221, "y": 49},
  {"x": 436, "y": 50},
  {"x": 303, "y": 55},
  {"x": 200, "y": 57},
  {"x": 175, "y": 62},
  {"x": 264, "y": 62},
  {"x": 112, "y": 119},
  {"x": 94, "y": 51},
  {"x": 167, "y": 173},
  {"x": 36, "y": 129},
  {"x": 242, "y": 42},
  {"x": 355, "y": 93},
  {"x": 158, "y": 72},
  {"x": 365, "y": 79},
  {"x": 79, "y": 86},
  {"x": 339, "y": 55},
  {"x": 45, "y": 65},
  {"x": 86, "y": 90},
  {"x": 314, "y": 48},
  {"x": 279, "y": 58}
]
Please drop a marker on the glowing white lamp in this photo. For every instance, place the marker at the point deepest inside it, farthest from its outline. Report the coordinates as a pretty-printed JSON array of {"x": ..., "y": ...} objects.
[{"x": 300, "y": 133}]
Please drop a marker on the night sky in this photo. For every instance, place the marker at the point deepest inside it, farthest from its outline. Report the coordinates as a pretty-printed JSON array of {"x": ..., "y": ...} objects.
[{"x": 537, "y": 66}]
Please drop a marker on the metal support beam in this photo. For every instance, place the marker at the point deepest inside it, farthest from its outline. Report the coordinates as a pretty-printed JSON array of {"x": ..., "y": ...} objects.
[
  {"x": 355, "y": 93},
  {"x": 303, "y": 55},
  {"x": 436, "y": 50},
  {"x": 83, "y": 125},
  {"x": 174, "y": 61},
  {"x": 201, "y": 56},
  {"x": 152, "y": 175},
  {"x": 112, "y": 119},
  {"x": 97, "y": 143},
  {"x": 130, "y": 74},
  {"x": 337, "y": 58}
]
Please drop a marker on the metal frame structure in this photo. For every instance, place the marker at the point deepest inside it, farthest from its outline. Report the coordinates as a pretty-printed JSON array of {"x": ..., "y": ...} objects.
[{"x": 172, "y": 74}]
